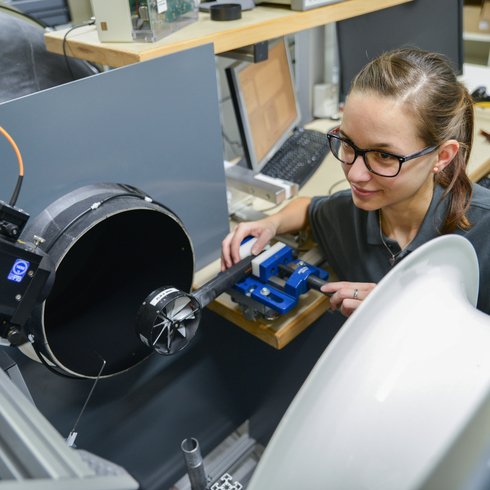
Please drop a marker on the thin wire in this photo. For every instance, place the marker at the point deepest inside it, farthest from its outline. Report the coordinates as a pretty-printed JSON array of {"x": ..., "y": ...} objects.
[
  {"x": 91, "y": 22},
  {"x": 94, "y": 206},
  {"x": 335, "y": 185},
  {"x": 232, "y": 143},
  {"x": 104, "y": 362},
  {"x": 15, "y": 195}
]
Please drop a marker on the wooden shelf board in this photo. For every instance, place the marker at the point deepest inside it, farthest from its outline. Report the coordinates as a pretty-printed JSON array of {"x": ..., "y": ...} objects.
[{"x": 262, "y": 23}]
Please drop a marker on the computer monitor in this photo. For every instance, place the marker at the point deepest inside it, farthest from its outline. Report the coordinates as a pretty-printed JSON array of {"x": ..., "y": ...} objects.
[
  {"x": 433, "y": 25},
  {"x": 265, "y": 103}
]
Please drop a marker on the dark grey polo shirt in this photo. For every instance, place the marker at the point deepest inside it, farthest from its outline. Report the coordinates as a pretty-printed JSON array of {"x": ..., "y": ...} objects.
[{"x": 350, "y": 241}]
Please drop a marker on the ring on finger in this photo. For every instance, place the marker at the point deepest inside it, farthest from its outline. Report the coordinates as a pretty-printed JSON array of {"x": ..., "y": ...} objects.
[{"x": 356, "y": 292}]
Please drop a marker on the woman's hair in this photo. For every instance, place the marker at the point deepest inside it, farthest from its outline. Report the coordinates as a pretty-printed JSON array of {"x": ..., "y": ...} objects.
[{"x": 443, "y": 107}]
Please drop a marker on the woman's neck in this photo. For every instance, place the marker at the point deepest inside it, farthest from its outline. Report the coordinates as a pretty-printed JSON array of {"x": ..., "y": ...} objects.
[{"x": 403, "y": 222}]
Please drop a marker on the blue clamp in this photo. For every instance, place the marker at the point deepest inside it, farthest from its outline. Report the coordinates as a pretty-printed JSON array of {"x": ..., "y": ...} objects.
[
  {"x": 297, "y": 282},
  {"x": 264, "y": 291}
]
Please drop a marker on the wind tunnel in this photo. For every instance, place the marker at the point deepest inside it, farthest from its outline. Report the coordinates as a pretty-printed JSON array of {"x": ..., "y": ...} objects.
[{"x": 111, "y": 244}]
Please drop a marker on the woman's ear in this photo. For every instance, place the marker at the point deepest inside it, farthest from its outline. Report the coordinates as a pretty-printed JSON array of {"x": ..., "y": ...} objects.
[{"x": 445, "y": 154}]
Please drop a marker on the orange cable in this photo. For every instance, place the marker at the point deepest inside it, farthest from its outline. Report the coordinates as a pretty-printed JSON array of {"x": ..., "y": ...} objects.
[{"x": 12, "y": 142}]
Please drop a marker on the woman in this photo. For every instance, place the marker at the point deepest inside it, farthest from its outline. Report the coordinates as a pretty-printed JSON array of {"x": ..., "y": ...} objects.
[{"x": 404, "y": 144}]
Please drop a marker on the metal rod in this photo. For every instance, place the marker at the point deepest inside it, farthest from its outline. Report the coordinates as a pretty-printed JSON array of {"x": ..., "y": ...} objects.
[
  {"x": 193, "y": 460},
  {"x": 73, "y": 434}
]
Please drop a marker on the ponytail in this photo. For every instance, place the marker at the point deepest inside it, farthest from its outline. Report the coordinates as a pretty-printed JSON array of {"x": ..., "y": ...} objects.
[{"x": 454, "y": 176}]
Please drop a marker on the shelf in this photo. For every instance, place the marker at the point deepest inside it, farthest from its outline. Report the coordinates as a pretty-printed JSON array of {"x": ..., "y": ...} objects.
[{"x": 262, "y": 23}]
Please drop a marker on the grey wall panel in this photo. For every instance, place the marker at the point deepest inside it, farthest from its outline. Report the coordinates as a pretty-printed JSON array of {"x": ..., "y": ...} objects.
[{"x": 154, "y": 125}]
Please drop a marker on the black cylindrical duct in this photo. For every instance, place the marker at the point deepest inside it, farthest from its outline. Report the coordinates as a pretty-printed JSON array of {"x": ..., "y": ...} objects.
[{"x": 112, "y": 245}]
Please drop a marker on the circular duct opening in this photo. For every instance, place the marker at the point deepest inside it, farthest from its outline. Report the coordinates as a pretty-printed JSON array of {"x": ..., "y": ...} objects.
[{"x": 108, "y": 258}]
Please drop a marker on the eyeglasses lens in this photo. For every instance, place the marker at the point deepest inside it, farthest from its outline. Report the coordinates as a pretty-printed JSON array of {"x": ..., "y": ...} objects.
[
  {"x": 343, "y": 151},
  {"x": 378, "y": 162}
]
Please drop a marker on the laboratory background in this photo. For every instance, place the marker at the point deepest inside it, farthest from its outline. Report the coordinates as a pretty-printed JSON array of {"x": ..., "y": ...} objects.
[{"x": 135, "y": 135}]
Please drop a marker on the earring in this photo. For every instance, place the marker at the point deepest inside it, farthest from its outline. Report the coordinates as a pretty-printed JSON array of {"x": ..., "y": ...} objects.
[{"x": 435, "y": 169}]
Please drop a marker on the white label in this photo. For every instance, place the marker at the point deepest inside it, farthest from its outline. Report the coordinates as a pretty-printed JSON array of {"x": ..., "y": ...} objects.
[
  {"x": 162, "y": 6},
  {"x": 162, "y": 295}
]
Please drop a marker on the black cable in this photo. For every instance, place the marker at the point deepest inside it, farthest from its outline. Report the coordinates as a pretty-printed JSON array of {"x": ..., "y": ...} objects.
[
  {"x": 88, "y": 23},
  {"x": 56, "y": 370},
  {"x": 81, "y": 215},
  {"x": 34, "y": 19},
  {"x": 145, "y": 196},
  {"x": 15, "y": 195},
  {"x": 75, "y": 219},
  {"x": 134, "y": 192},
  {"x": 335, "y": 185}
]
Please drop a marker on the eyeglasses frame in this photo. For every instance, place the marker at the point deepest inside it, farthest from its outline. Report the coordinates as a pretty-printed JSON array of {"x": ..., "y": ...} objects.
[{"x": 358, "y": 152}]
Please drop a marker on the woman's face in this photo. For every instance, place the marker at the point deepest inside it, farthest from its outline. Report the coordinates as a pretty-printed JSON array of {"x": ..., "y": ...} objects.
[{"x": 373, "y": 122}]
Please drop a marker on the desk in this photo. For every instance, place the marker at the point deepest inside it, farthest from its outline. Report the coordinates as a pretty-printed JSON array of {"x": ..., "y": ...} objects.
[{"x": 262, "y": 23}]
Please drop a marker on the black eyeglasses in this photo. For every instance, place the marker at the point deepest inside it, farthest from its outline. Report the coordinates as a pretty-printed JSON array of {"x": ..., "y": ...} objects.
[{"x": 382, "y": 163}]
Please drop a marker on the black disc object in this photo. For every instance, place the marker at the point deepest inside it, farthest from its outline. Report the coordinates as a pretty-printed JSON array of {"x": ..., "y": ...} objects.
[
  {"x": 168, "y": 319},
  {"x": 226, "y": 11},
  {"x": 111, "y": 244}
]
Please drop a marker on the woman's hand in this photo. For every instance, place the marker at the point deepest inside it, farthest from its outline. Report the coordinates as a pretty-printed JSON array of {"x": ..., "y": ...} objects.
[
  {"x": 290, "y": 219},
  {"x": 347, "y": 295},
  {"x": 264, "y": 230}
]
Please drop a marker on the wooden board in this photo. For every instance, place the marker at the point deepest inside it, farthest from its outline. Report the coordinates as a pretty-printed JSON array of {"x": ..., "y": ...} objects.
[
  {"x": 278, "y": 332},
  {"x": 262, "y": 23}
]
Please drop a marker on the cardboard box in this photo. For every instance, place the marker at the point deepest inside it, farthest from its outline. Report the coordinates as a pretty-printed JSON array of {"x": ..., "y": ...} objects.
[{"x": 476, "y": 16}]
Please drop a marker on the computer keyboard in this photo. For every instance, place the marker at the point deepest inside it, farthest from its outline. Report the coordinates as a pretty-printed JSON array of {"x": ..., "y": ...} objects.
[{"x": 299, "y": 157}]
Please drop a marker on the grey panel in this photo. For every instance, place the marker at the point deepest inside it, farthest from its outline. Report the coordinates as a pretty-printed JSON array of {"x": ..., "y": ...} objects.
[{"x": 154, "y": 125}]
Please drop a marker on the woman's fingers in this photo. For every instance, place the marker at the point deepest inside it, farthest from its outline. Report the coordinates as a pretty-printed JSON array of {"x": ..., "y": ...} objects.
[
  {"x": 347, "y": 295},
  {"x": 230, "y": 246}
]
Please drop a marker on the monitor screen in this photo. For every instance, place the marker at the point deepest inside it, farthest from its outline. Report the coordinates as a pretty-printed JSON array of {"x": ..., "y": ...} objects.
[
  {"x": 433, "y": 25},
  {"x": 265, "y": 103}
]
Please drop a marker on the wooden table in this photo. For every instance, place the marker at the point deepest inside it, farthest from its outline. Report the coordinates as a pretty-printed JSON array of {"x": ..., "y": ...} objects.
[{"x": 262, "y": 23}]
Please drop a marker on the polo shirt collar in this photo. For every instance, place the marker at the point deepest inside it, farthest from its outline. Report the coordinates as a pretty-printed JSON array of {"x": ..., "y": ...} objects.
[{"x": 427, "y": 231}]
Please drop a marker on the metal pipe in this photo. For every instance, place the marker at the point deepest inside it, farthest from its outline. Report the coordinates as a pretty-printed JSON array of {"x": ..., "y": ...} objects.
[{"x": 193, "y": 460}]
